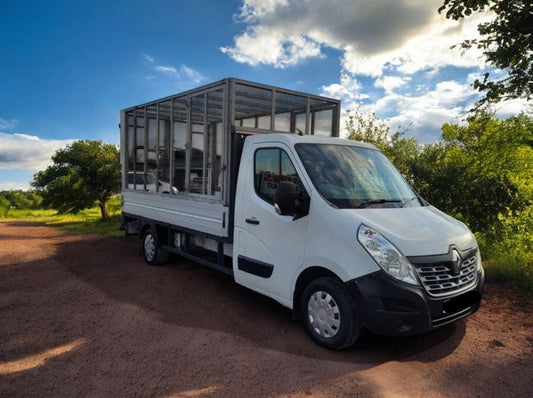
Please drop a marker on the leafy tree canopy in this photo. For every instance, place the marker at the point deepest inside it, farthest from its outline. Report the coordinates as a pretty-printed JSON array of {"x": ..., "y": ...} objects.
[
  {"x": 82, "y": 174},
  {"x": 506, "y": 41},
  {"x": 481, "y": 171}
]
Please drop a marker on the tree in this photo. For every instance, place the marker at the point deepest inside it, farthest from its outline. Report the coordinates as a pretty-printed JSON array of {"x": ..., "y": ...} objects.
[
  {"x": 480, "y": 172},
  {"x": 23, "y": 199},
  {"x": 506, "y": 41},
  {"x": 403, "y": 152},
  {"x": 83, "y": 174},
  {"x": 368, "y": 128}
]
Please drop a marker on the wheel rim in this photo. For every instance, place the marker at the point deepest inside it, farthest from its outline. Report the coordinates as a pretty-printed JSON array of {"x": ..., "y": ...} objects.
[
  {"x": 324, "y": 314},
  {"x": 149, "y": 247}
]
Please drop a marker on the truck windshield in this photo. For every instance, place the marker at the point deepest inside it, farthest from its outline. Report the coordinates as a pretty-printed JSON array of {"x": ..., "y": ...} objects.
[{"x": 354, "y": 177}]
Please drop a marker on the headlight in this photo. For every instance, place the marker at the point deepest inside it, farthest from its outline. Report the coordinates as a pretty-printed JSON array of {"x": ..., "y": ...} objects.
[{"x": 386, "y": 255}]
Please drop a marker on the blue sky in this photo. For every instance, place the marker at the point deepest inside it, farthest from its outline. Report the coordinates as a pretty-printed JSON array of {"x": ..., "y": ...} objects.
[{"x": 68, "y": 67}]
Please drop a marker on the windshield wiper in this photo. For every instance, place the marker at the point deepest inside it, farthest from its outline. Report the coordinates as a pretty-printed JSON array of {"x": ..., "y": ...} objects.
[{"x": 366, "y": 203}]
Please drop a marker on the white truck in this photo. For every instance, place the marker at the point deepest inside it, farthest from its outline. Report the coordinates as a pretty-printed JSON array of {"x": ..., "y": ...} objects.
[{"x": 253, "y": 181}]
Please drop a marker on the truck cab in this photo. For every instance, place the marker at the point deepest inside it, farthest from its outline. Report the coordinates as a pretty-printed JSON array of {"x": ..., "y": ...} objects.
[
  {"x": 266, "y": 192},
  {"x": 354, "y": 245}
]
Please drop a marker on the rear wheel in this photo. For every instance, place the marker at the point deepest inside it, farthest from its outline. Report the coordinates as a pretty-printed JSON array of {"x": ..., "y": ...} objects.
[
  {"x": 152, "y": 251},
  {"x": 331, "y": 314}
]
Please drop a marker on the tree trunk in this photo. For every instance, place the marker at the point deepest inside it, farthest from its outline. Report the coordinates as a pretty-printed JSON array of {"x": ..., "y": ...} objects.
[{"x": 103, "y": 211}]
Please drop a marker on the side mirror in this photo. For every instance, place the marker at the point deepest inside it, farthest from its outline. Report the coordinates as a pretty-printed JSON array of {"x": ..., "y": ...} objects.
[
  {"x": 284, "y": 198},
  {"x": 301, "y": 204}
]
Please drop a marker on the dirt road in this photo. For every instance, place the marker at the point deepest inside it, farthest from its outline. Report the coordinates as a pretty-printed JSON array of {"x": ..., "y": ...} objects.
[{"x": 84, "y": 316}]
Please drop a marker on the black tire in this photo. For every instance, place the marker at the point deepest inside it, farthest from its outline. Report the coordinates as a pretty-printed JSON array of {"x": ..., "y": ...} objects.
[
  {"x": 331, "y": 315},
  {"x": 152, "y": 251}
]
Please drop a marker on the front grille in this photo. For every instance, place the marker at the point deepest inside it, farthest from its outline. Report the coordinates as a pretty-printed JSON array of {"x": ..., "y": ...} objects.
[{"x": 439, "y": 279}]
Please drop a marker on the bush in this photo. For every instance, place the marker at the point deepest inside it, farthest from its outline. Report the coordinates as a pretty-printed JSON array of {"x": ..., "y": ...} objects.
[
  {"x": 508, "y": 250},
  {"x": 4, "y": 207}
]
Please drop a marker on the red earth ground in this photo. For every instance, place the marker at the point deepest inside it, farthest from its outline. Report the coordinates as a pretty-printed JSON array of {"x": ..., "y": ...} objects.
[{"x": 84, "y": 316}]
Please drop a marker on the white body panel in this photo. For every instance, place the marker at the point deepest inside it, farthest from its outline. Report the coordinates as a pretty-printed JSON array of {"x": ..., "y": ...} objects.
[
  {"x": 208, "y": 218},
  {"x": 275, "y": 240},
  {"x": 417, "y": 231},
  {"x": 332, "y": 242}
]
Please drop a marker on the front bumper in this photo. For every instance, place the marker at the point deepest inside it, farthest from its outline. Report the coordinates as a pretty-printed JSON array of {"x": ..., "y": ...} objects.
[{"x": 393, "y": 308}]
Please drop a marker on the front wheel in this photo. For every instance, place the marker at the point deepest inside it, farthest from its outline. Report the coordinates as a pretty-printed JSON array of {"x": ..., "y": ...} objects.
[
  {"x": 331, "y": 314},
  {"x": 152, "y": 251}
]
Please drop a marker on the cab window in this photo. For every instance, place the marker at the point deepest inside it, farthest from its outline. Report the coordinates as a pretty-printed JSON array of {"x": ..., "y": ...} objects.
[{"x": 272, "y": 165}]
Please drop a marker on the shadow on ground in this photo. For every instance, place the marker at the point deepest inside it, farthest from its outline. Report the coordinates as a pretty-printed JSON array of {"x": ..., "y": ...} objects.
[{"x": 188, "y": 294}]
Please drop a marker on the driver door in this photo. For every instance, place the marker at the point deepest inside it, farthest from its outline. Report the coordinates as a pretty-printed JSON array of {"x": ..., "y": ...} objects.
[{"x": 268, "y": 248}]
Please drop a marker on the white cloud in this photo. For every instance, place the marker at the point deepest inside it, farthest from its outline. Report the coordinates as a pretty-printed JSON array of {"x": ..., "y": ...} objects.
[
  {"x": 393, "y": 55},
  {"x": 389, "y": 83},
  {"x": 261, "y": 45},
  {"x": 430, "y": 49},
  {"x": 254, "y": 10},
  {"x": 7, "y": 124},
  {"x": 423, "y": 115},
  {"x": 420, "y": 115},
  {"x": 191, "y": 74},
  {"x": 21, "y": 151},
  {"x": 513, "y": 107},
  {"x": 148, "y": 57},
  {"x": 169, "y": 70},
  {"x": 372, "y": 34},
  {"x": 184, "y": 72},
  {"x": 348, "y": 90},
  {"x": 14, "y": 185},
  {"x": 27, "y": 137}
]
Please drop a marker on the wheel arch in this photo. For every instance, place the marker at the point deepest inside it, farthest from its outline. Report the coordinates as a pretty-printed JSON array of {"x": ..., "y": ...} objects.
[
  {"x": 160, "y": 232},
  {"x": 308, "y": 275},
  {"x": 145, "y": 226}
]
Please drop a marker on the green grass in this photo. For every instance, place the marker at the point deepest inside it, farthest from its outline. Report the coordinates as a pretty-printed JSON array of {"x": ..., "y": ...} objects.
[
  {"x": 86, "y": 221},
  {"x": 510, "y": 271},
  {"x": 506, "y": 266}
]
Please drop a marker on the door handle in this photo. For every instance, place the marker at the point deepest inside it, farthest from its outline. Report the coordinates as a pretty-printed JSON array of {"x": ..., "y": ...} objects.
[{"x": 253, "y": 221}]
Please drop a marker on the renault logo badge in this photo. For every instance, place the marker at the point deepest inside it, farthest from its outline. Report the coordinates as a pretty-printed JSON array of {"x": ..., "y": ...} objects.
[{"x": 457, "y": 262}]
